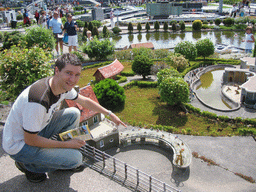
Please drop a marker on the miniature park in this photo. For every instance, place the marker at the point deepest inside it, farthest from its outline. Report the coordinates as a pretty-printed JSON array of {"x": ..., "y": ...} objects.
[{"x": 150, "y": 69}]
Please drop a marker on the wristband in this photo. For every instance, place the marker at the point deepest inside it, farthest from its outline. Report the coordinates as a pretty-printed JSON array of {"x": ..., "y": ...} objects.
[{"x": 109, "y": 113}]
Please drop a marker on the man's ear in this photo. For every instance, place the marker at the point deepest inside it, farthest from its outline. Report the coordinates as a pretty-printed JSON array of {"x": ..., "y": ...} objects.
[{"x": 56, "y": 70}]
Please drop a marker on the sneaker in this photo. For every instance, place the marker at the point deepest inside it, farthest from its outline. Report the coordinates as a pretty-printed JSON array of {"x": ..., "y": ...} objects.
[{"x": 31, "y": 176}]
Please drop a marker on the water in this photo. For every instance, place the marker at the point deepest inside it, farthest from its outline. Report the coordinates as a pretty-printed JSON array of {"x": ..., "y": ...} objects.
[
  {"x": 167, "y": 40},
  {"x": 210, "y": 89}
]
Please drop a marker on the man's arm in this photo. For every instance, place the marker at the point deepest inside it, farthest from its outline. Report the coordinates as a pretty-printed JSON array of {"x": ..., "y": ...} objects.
[
  {"x": 92, "y": 105},
  {"x": 38, "y": 141}
]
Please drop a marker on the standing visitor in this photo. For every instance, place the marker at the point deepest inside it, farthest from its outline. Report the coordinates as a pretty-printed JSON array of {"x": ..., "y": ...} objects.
[
  {"x": 233, "y": 11},
  {"x": 48, "y": 18},
  {"x": 71, "y": 27},
  {"x": 249, "y": 40},
  {"x": 26, "y": 19},
  {"x": 34, "y": 120},
  {"x": 42, "y": 20},
  {"x": 37, "y": 17},
  {"x": 56, "y": 25}
]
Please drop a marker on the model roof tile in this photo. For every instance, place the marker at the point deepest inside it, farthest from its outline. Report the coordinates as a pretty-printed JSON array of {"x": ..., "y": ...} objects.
[{"x": 86, "y": 114}]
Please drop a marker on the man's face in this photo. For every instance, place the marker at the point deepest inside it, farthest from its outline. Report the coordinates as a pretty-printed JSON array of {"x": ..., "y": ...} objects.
[
  {"x": 55, "y": 15},
  {"x": 68, "y": 77},
  {"x": 70, "y": 18}
]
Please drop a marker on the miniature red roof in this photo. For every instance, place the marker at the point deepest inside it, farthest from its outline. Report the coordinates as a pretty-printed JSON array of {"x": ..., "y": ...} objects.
[
  {"x": 146, "y": 45},
  {"x": 110, "y": 70},
  {"x": 86, "y": 91}
]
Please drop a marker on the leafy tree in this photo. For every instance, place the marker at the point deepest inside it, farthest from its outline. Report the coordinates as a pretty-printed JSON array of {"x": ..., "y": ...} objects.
[
  {"x": 205, "y": 47},
  {"x": 21, "y": 67},
  {"x": 174, "y": 27},
  {"x": 40, "y": 37},
  {"x": 147, "y": 26},
  {"x": 217, "y": 21},
  {"x": 110, "y": 94},
  {"x": 182, "y": 25},
  {"x": 177, "y": 61},
  {"x": 105, "y": 31},
  {"x": 96, "y": 23},
  {"x": 85, "y": 24},
  {"x": 130, "y": 27},
  {"x": 197, "y": 25},
  {"x": 174, "y": 91},
  {"x": 142, "y": 51},
  {"x": 90, "y": 26},
  {"x": 95, "y": 31},
  {"x": 98, "y": 49},
  {"x": 139, "y": 27},
  {"x": 142, "y": 65},
  {"x": 116, "y": 30},
  {"x": 187, "y": 49},
  {"x": 166, "y": 26},
  {"x": 167, "y": 72},
  {"x": 156, "y": 25}
]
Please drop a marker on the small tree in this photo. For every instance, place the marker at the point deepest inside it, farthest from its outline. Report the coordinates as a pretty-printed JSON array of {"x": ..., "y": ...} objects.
[
  {"x": 90, "y": 26},
  {"x": 95, "y": 31},
  {"x": 174, "y": 27},
  {"x": 116, "y": 30},
  {"x": 197, "y": 25},
  {"x": 187, "y": 49},
  {"x": 105, "y": 31},
  {"x": 139, "y": 28},
  {"x": 177, "y": 61},
  {"x": 98, "y": 49},
  {"x": 85, "y": 24},
  {"x": 142, "y": 65},
  {"x": 110, "y": 94},
  {"x": 174, "y": 91},
  {"x": 182, "y": 25},
  {"x": 147, "y": 26},
  {"x": 166, "y": 26},
  {"x": 156, "y": 26},
  {"x": 130, "y": 27},
  {"x": 205, "y": 47},
  {"x": 167, "y": 72},
  {"x": 217, "y": 21}
]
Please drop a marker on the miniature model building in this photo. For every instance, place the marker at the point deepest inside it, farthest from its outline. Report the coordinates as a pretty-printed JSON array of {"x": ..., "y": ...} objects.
[
  {"x": 104, "y": 132},
  {"x": 109, "y": 71}
]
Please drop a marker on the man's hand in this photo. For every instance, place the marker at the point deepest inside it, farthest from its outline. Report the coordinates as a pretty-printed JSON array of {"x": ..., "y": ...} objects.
[
  {"x": 75, "y": 143},
  {"x": 116, "y": 120}
]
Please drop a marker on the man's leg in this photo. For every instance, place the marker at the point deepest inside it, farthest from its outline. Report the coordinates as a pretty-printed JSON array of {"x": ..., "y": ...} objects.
[{"x": 41, "y": 160}]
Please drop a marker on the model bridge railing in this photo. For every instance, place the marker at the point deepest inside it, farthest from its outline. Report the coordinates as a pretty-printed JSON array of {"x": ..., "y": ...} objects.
[{"x": 123, "y": 173}]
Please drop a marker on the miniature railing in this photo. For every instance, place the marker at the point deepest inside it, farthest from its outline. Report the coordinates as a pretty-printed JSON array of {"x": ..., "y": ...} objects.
[{"x": 123, "y": 173}]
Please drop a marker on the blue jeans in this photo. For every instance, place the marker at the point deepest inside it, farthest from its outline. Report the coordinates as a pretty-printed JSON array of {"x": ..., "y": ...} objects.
[{"x": 41, "y": 160}]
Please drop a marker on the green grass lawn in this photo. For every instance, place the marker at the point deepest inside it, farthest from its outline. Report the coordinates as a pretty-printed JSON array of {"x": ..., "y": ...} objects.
[{"x": 143, "y": 107}]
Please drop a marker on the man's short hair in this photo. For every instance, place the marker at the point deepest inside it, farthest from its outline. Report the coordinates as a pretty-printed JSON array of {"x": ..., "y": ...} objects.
[{"x": 67, "y": 58}]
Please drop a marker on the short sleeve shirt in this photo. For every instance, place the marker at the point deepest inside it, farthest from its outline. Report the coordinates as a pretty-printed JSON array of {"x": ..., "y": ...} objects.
[
  {"x": 56, "y": 25},
  {"x": 71, "y": 28},
  {"x": 31, "y": 112}
]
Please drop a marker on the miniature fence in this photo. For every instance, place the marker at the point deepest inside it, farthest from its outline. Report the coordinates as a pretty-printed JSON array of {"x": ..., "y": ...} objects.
[{"x": 123, "y": 173}]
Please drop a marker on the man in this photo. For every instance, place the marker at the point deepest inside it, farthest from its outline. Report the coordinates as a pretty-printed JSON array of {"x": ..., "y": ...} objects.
[
  {"x": 56, "y": 25},
  {"x": 33, "y": 120}
]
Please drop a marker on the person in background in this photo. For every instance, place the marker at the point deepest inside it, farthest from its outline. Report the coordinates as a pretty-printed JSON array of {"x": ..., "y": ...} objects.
[
  {"x": 249, "y": 40},
  {"x": 48, "y": 18},
  {"x": 26, "y": 19},
  {"x": 42, "y": 20},
  {"x": 34, "y": 120},
  {"x": 89, "y": 36},
  {"x": 56, "y": 25},
  {"x": 37, "y": 16},
  {"x": 233, "y": 11},
  {"x": 71, "y": 27}
]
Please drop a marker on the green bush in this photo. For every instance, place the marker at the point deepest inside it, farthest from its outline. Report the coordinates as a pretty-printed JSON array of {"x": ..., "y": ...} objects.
[
  {"x": 139, "y": 27},
  {"x": 156, "y": 25},
  {"x": 105, "y": 31},
  {"x": 130, "y": 27},
  {"x": 167, "y": 72},
  {"x": 21, "y": 67},
  {"x": 173, "y": 21},
  {"x": 64, "y": 20},
  {"x": 142, "y": 65},
  {"x": 209, "y": 115},
  {"x": 174, "y": 27},
  {"x": 147, "y": 26},
  {"x": 41, "y": 37},
  {"x": 228, "y": 22},
  {"x": 205, "y": 22},
  {"x": 217, "y": 21},
  {"x": 205, "y": 47},
  {"x": 19, "y": 17},
  {"x": 177, "y": 61},
  {"x": 13, "y": 38},
  {"x": 174, "y": 90},
  {"x": 197, "y": 25},
  {"x": 182, "y": 25},
  {"x": 80, "y": 23},
  {"x": 142, "y": 51},
  {"x": 110, "y": 94},
  {"x": 1, "y": 36},
  {"x": 97, "y": 49},
  {"x": 95, "y": 32},
  {"x": 90, "y": 26},
  {"x": 96, "y": 23},
  {"x": 116, "y": 30},
  {"x": 166, "y": 27},
  {"x": 187, "y": 49}
]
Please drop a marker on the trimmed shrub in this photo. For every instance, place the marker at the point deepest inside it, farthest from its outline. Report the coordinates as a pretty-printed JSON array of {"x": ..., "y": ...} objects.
[
  {"x": 13, "y": 38},
  {"x": 96, "y": 23},
  {"x": 217, "y": 21},
  {"x": 167, "y": 72},
  {"x": 197, "y": 25},
  {"x": 228, "y": 22},
  {"x": 90, "y": 26},
  {"x": 166, "y": 26},
  {"x": 130, "y": 27},
  {"x": 142, "y": 65},
  {"x": 182, "y": 25},
  {"x": 187, "y": 49},
  {"x": 95, "y": 31},
  {"x": 156, "y": 25},
  {"x": 116, "y": 30},
  {"x": 177, "y": 61},
  {"x": 205, "y": 47},
  {"x": 109, "y": 94},
  {"x": 174, "y": 27},
  {"x": 139, "y": 27},
  {"x": 147, "y": 26}
]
